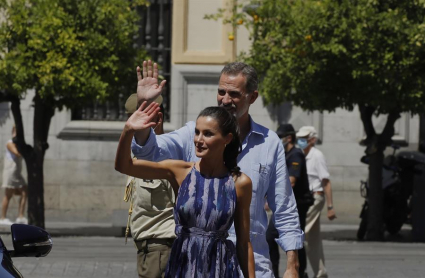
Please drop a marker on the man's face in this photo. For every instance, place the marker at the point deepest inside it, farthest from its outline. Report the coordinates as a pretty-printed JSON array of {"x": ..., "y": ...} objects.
[
  {"x": 286, "y": 139},
  {"x": 233, "y": 96},
  {"x": 305, "y": 142}
]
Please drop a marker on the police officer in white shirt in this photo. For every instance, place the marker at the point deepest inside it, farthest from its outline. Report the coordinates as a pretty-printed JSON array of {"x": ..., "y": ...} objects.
[{"x": 320, "y": 184}]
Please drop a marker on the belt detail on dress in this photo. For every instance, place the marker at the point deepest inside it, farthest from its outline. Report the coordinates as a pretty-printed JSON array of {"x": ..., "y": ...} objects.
[{"x": 194, "y": 231}]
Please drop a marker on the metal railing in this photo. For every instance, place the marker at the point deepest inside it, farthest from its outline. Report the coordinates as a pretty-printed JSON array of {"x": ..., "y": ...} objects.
[
  {"x": 108, "y": 111},
  {"x": 155, "y": 37}
]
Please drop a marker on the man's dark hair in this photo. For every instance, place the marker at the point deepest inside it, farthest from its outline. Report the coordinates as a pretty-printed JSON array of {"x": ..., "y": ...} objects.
[
  {"x": 228, "y": 124},
  {"x": 250, "y": 74}
]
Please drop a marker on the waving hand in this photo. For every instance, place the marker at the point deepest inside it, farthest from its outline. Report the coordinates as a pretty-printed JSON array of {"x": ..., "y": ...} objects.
[
  {"x": 147, "y": 85},
  {"x": 142, "y": 118}
]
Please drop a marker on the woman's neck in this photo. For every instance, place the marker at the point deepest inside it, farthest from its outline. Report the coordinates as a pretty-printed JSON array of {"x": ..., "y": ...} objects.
[{"x": 212, "y": 167}]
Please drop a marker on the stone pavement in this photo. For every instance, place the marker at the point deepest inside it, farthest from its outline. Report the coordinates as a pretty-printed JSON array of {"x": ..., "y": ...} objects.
[
  {"x": 351, "y": 259},
  {"x": 108, "y": 256},
  {"x": 75, "y": 257}
]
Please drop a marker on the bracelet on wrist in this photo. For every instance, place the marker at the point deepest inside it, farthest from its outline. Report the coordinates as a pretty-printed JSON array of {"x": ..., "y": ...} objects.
[{"x": 330, "y": 207}]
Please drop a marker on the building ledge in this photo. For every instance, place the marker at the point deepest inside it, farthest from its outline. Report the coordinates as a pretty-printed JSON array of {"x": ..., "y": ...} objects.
[{"x": 96, "y": 130}]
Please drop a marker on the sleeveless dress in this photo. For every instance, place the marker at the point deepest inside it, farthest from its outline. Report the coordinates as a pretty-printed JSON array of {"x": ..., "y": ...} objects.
[{"x": 203, "y": 214}]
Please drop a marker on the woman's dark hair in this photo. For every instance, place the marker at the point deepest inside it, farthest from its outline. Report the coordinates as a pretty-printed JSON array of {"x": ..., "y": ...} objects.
[{"x": 228, "y": 124}]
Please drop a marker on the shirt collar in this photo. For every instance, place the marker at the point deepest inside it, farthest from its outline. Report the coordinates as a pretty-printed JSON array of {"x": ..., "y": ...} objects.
[
  {"x": 255, "y": 128},
  {"x": 310, "y": 153}
]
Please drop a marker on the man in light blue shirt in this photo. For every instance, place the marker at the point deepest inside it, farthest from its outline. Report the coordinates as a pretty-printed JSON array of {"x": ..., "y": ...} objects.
[{"x": 262, "y": 159}]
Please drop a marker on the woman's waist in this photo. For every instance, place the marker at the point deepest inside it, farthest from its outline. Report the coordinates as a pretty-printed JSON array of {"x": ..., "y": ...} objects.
[{"x": 200, "y": 232}]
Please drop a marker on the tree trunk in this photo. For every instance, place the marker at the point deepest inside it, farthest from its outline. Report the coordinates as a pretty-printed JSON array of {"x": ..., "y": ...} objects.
[
  {"x": 34, "y": 156},
  {"x": 376, "y": 145},
  {"x": 421, "y": 131},
  {"x": 35, "y": 190},
  {"x": 375, "y": 215}
]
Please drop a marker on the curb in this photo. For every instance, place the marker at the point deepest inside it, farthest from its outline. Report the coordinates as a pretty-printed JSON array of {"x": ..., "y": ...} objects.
[{"x": 77, "y": 229}]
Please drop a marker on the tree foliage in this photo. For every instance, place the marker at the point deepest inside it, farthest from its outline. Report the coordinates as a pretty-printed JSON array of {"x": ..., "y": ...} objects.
[
  {"x": 70, "y": 51},
  {"x": 328, "y": 54},
  {"x": 343, "y": 53}
]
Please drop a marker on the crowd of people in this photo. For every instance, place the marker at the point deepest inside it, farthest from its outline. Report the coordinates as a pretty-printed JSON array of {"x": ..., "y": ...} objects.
[{"x": 199, "y": 194}]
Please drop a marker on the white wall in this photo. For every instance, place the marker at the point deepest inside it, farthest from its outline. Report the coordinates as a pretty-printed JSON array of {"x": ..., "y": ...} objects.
[{"x": 81, "y": 183}]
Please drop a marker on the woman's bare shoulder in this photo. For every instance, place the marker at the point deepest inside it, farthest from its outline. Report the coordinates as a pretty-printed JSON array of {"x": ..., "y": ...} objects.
[
  {"x": 10, "y": 144},
  {"x": 178, "y": 168},
  {"x": 243, "y": 182}
]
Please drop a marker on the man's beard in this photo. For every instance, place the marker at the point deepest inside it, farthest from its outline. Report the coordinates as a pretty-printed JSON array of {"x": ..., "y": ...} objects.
[{"x": 231, "y": 108}]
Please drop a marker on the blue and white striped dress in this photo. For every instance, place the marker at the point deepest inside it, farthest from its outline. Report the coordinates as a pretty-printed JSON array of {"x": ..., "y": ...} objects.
[{"x": 204, "y": 213}]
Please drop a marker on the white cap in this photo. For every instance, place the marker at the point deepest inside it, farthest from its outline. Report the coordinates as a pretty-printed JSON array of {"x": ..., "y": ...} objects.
[{"x": 309, "y": 131}]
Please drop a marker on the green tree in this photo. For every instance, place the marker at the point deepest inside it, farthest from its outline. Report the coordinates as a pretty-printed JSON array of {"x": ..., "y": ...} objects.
[
  {"x": 70, "y": 52},
  {"x": 326, "y": 54}
]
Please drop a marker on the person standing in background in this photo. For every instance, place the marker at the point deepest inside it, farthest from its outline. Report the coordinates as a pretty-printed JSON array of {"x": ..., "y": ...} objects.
[
  {"x": 320, "y": 184},
  {"x": 151, "y": 222},
  {"x": 13, "y": 182},
  {"x": 297, "y": 171}
]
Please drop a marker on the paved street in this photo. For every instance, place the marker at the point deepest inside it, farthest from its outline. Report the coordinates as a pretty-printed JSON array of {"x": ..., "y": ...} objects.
[
  {"x": 73, "y": 257},
  {"x": 109, "y": 257},
  {"x": 351, "y": 259}
]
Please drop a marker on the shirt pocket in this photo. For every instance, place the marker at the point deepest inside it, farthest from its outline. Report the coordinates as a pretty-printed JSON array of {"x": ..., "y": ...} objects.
[
  {"x": 154, "y": 195},
  {"x": 260, "y": 178},
  {"x": 260, "y": 172}
]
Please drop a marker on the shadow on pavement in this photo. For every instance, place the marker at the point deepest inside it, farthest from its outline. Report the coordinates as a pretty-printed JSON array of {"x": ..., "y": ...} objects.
[{"x": 405, "y": 235}]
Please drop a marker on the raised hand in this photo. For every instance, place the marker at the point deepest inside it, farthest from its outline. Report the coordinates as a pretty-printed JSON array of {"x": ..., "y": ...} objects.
[
  {"x": 147, "y": 85},
  {"x": 142, "y": 118}
]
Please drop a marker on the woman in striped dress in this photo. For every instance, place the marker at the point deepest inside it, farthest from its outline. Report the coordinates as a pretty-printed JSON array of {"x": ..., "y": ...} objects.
[{"x": 211, "y": 194}]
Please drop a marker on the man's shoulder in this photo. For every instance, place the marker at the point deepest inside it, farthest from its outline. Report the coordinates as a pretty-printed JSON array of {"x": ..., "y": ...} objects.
[
  {"x": 187, "y": 129},
  {"x": 270, "y": 136},
  {"x": 316, "y": 152},
  {"x": 296, "y": 153},
  {"x": 191, "y": 124}
]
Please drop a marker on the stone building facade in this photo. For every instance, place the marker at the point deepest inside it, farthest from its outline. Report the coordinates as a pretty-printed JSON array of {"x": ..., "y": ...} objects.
[{"x": 80, "y": 181}]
